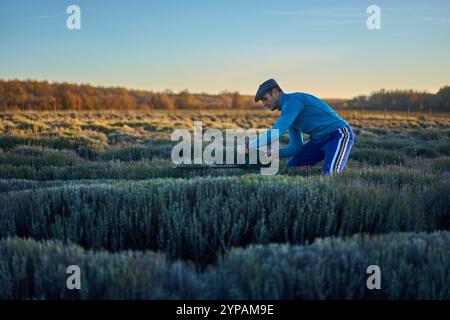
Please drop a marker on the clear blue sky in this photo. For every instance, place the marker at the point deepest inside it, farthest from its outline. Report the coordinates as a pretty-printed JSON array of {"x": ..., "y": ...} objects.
[{"x": 321, "y": 47}]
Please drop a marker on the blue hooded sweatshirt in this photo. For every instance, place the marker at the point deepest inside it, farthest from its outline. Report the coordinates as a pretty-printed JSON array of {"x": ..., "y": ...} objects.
[{"x": 301, "y": 113}]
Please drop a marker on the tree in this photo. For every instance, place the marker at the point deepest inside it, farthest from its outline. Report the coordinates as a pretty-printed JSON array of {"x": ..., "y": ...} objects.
[
  {"x": 15, "y": 95},
  {"x": 126, "y": 101},
  {"x": 69, "y": 101},
  {"x": 443, "y": 96},
  {"x": 162, "y": 101},
  {"x": 184, "y": 100},
  {"x": 237, "y": 102}
]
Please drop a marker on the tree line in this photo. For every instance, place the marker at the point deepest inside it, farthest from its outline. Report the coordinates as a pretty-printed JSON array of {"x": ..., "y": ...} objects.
[
  {"x": 401, "y": 100},
  {"x": 42, "y": 95}
]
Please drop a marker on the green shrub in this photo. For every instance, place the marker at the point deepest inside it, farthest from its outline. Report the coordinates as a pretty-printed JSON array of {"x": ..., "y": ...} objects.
[
  {"x": 8, "y": 185},
  {"x": 390, "y": 144},
  {"x": 39, "y": 156},
  {"x": 137, "y": 152},
  {"x": 198, "y": 218},
  {"x": 37, "y": 270},
  {"x": 393, "y": 177},
  {"x": 413, "y": 266},
  {"x": 100, "y": 127},
  {"x": 443, "y": 148},
  {"x": 27, "y": 124},
  {"x": 426, "y": 151},
  {"x": 378, "y": 156},
  {"x": 379, "y": 131},
  {"x": 133, "y": 170},
  {"x": 83, "y": 146},
  {"x": 441, "y": 164},
  {"x": 427, "y": 134}
]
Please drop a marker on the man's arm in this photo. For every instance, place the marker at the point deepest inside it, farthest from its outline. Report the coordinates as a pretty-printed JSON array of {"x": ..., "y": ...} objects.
[
  {"x": 295, "y": 143},
  {"x": 290, "y": 111}
]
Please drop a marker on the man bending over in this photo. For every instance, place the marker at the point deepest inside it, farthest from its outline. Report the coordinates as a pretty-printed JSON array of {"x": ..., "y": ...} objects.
[{"x": 330, "y": 136}]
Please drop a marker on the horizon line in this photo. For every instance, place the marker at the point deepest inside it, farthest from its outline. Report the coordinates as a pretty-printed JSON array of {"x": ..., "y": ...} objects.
[{"x": 203, "y": 92}]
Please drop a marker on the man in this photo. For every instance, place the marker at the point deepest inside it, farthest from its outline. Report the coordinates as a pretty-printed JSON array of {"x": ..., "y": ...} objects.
[{"x": 331, "y": 138}]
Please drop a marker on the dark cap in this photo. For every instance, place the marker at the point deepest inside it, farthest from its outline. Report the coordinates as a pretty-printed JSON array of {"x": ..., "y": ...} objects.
[{"x": 264, "y": 87}]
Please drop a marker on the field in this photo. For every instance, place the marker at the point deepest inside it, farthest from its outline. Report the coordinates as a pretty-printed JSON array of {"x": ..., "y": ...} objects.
[{"x": 98, "y": 190}]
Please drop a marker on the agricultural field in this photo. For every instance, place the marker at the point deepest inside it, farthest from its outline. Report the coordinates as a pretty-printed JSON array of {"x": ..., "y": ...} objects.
[{"x": 98, "y": 190}]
